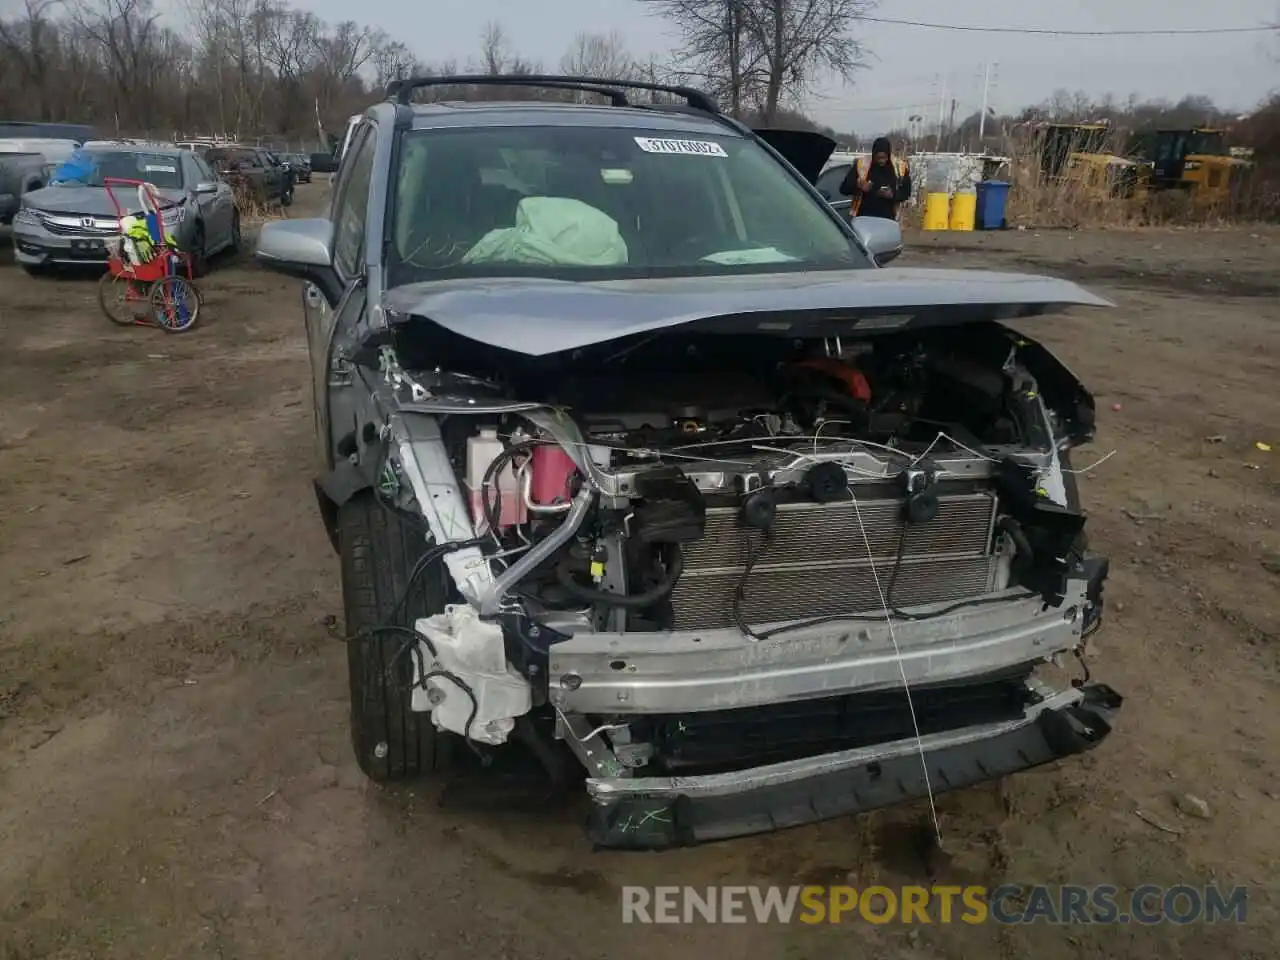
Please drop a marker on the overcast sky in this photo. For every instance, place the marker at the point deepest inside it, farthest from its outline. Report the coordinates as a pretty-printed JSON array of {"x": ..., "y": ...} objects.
[{"x": 907, "y": 63}]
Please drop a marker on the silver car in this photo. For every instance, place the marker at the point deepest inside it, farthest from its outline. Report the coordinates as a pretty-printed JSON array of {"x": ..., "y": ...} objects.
[
  {"x": 70, "y": 221},
  {"x": 637, "y": 460}
]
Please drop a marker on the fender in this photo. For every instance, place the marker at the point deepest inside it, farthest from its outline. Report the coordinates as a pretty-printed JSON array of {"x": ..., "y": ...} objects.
[
  {"x": 343, "y": 482},
  {"x": 334, "y": 489},
  {"x": 339, "y": 485}
]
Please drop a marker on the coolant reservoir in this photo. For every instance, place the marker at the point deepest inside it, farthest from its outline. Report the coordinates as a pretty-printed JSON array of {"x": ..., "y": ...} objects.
[
  {"x": 553, "y": 470},
  {"x": 482, "y": 449}
]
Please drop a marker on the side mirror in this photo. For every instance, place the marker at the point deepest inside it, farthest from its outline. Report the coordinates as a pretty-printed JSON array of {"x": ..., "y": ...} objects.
[
  {"x": 882, "y": 238},
  {"x": 303, "y": 249},
  {"x": 206, "y": 187}
]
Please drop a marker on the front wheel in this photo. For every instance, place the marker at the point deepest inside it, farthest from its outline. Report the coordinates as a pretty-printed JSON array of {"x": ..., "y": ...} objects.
[
  {"x": 378, "y": 550},
  {"x": 175, "y": 304},
  {"x": 286, "y": 199},
  {"x": 237, "y": 238}
]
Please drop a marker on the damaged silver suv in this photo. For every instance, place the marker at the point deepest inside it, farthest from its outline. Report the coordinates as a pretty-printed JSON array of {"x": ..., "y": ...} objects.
[{"x": 633, "y": 453}]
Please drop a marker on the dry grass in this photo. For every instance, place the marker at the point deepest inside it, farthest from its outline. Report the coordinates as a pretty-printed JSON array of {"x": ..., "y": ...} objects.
[
  {"x": 254, "y": 210},
  {"x": 1069, "y": 203},
  {"x": 1036, "y": 201}
]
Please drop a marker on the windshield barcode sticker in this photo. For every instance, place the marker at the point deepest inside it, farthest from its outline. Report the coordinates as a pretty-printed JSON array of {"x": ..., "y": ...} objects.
[{"x": 696, "y": 148}]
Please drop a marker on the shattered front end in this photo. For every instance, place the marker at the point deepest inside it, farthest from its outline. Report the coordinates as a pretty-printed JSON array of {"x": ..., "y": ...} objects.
[{"x": 748, "y": 581}]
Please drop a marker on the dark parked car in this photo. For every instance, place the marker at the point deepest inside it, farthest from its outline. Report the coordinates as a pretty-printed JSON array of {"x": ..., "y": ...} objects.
[
  {"x": 300, "y": 164},
  {"x": 23, "y": 130},
  {"x": 69, "y": 221},
  {"x": 28, "y": 151},
  {"x": 635, "y": 458},
  {"x": 253, "y": 172}
]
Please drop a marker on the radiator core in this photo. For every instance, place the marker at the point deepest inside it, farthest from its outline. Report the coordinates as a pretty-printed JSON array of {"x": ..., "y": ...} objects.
[{"x": 818, "y": 564}]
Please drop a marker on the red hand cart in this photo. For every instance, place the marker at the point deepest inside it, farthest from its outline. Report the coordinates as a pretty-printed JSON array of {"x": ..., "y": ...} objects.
[{"x": 158, "y": 292}]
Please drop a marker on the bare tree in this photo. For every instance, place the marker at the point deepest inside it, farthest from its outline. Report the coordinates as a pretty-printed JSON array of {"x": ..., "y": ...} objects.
[
  {"x": 29, "y": 47},
  {"x": 497, "y": 56},
  {"x": 766, "y": 51},
  {"x": 495, "y": 49},
  {"x": 126, "y": 33},
  {"x": 714, "y": 53},
  {"x": 392, "y": 60},
  {"x": 599, "y": 55},
  {"x": 799, "y": 41}
]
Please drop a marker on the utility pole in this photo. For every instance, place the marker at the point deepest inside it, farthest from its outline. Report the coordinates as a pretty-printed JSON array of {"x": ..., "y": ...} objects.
[
  {"x": 942, "y": 115},
  {"x": 982, "y": 117}
]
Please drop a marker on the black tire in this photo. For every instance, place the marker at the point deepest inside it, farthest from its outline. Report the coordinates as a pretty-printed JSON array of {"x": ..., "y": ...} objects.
[
  {"x": 199, "y": 252},
  {"x": 286, "y": 198},
  {"x": 378, "y": 550},
  {"x": 36, "y": 270},
  {"x": 237, "y": 238}
]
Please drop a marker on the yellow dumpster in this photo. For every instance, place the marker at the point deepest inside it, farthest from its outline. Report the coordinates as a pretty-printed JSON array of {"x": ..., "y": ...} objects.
[
  {"x": 936, "y": 210},
  {"x": 964, "y": 211}
]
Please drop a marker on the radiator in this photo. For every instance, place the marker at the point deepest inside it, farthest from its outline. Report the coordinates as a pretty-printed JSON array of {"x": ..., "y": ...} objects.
[{"x": 817, "y": 564}]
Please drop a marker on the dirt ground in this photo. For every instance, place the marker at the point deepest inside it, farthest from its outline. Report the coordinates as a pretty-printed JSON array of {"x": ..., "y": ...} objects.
[{"x": 175, "y": 779}]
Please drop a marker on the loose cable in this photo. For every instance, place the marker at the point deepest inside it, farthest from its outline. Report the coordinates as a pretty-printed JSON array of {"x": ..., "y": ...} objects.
[
  {"x": 740, "y": 592},
  {"x": 902, "y": 669}
]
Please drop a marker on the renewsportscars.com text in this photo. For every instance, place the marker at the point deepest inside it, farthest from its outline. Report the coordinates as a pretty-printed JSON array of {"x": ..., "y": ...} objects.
[{"x": 1008, "y": 904}]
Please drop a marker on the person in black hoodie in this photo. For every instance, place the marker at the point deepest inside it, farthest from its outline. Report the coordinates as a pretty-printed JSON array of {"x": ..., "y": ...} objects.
[{"x": 878, "y": 188}]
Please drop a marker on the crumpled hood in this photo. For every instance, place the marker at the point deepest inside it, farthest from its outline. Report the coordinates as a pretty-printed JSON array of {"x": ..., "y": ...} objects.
[
  {"x": 538, "y": 317},
  {"x": 92, "y": 201}
]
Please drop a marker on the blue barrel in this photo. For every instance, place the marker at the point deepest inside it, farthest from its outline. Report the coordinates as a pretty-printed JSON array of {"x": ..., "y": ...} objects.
[{"x": 993, "y": 197}]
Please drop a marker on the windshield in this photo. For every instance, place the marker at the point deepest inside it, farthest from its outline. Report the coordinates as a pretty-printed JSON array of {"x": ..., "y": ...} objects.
[
  {"x": 91, "y": 168},
  {"x": 602, "y": 203},
  {"x": 1206, "y": 143}
]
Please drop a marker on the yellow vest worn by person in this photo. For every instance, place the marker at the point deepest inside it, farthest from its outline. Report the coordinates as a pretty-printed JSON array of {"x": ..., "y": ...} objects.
[{"x": 863, "y": 167}]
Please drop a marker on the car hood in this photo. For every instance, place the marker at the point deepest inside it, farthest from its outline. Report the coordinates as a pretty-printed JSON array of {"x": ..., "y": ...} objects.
[
  {"x": 92, "y": 201},
  {"x": 538, "y": 317}
]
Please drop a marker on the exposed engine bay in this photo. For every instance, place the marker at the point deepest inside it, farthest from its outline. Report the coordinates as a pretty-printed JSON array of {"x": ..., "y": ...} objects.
[{"x": 661, "y": 543}]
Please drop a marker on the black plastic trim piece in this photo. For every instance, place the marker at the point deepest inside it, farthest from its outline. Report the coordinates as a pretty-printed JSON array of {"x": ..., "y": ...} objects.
[
  {"x": 658, "y": 822},
  {"x": 343, "y": 482}
]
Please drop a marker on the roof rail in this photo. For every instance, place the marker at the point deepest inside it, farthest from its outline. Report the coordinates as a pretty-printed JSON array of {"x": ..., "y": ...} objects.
[
  {"x": 402, "y": 90},
  {"x": 617, "y": 98}
]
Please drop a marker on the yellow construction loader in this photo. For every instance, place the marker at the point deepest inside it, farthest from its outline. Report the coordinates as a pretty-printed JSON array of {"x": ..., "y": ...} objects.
[
  {"x": 1078, "y": 153},
  {"x": 1196, "y": 160}
]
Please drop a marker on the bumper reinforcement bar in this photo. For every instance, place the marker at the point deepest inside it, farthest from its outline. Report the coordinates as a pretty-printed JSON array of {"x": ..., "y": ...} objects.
[{"x": 655, "y": 813}]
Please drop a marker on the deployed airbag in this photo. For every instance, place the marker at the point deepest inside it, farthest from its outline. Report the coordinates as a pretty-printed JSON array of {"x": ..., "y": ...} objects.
[{"x": 556, "y": 231}]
